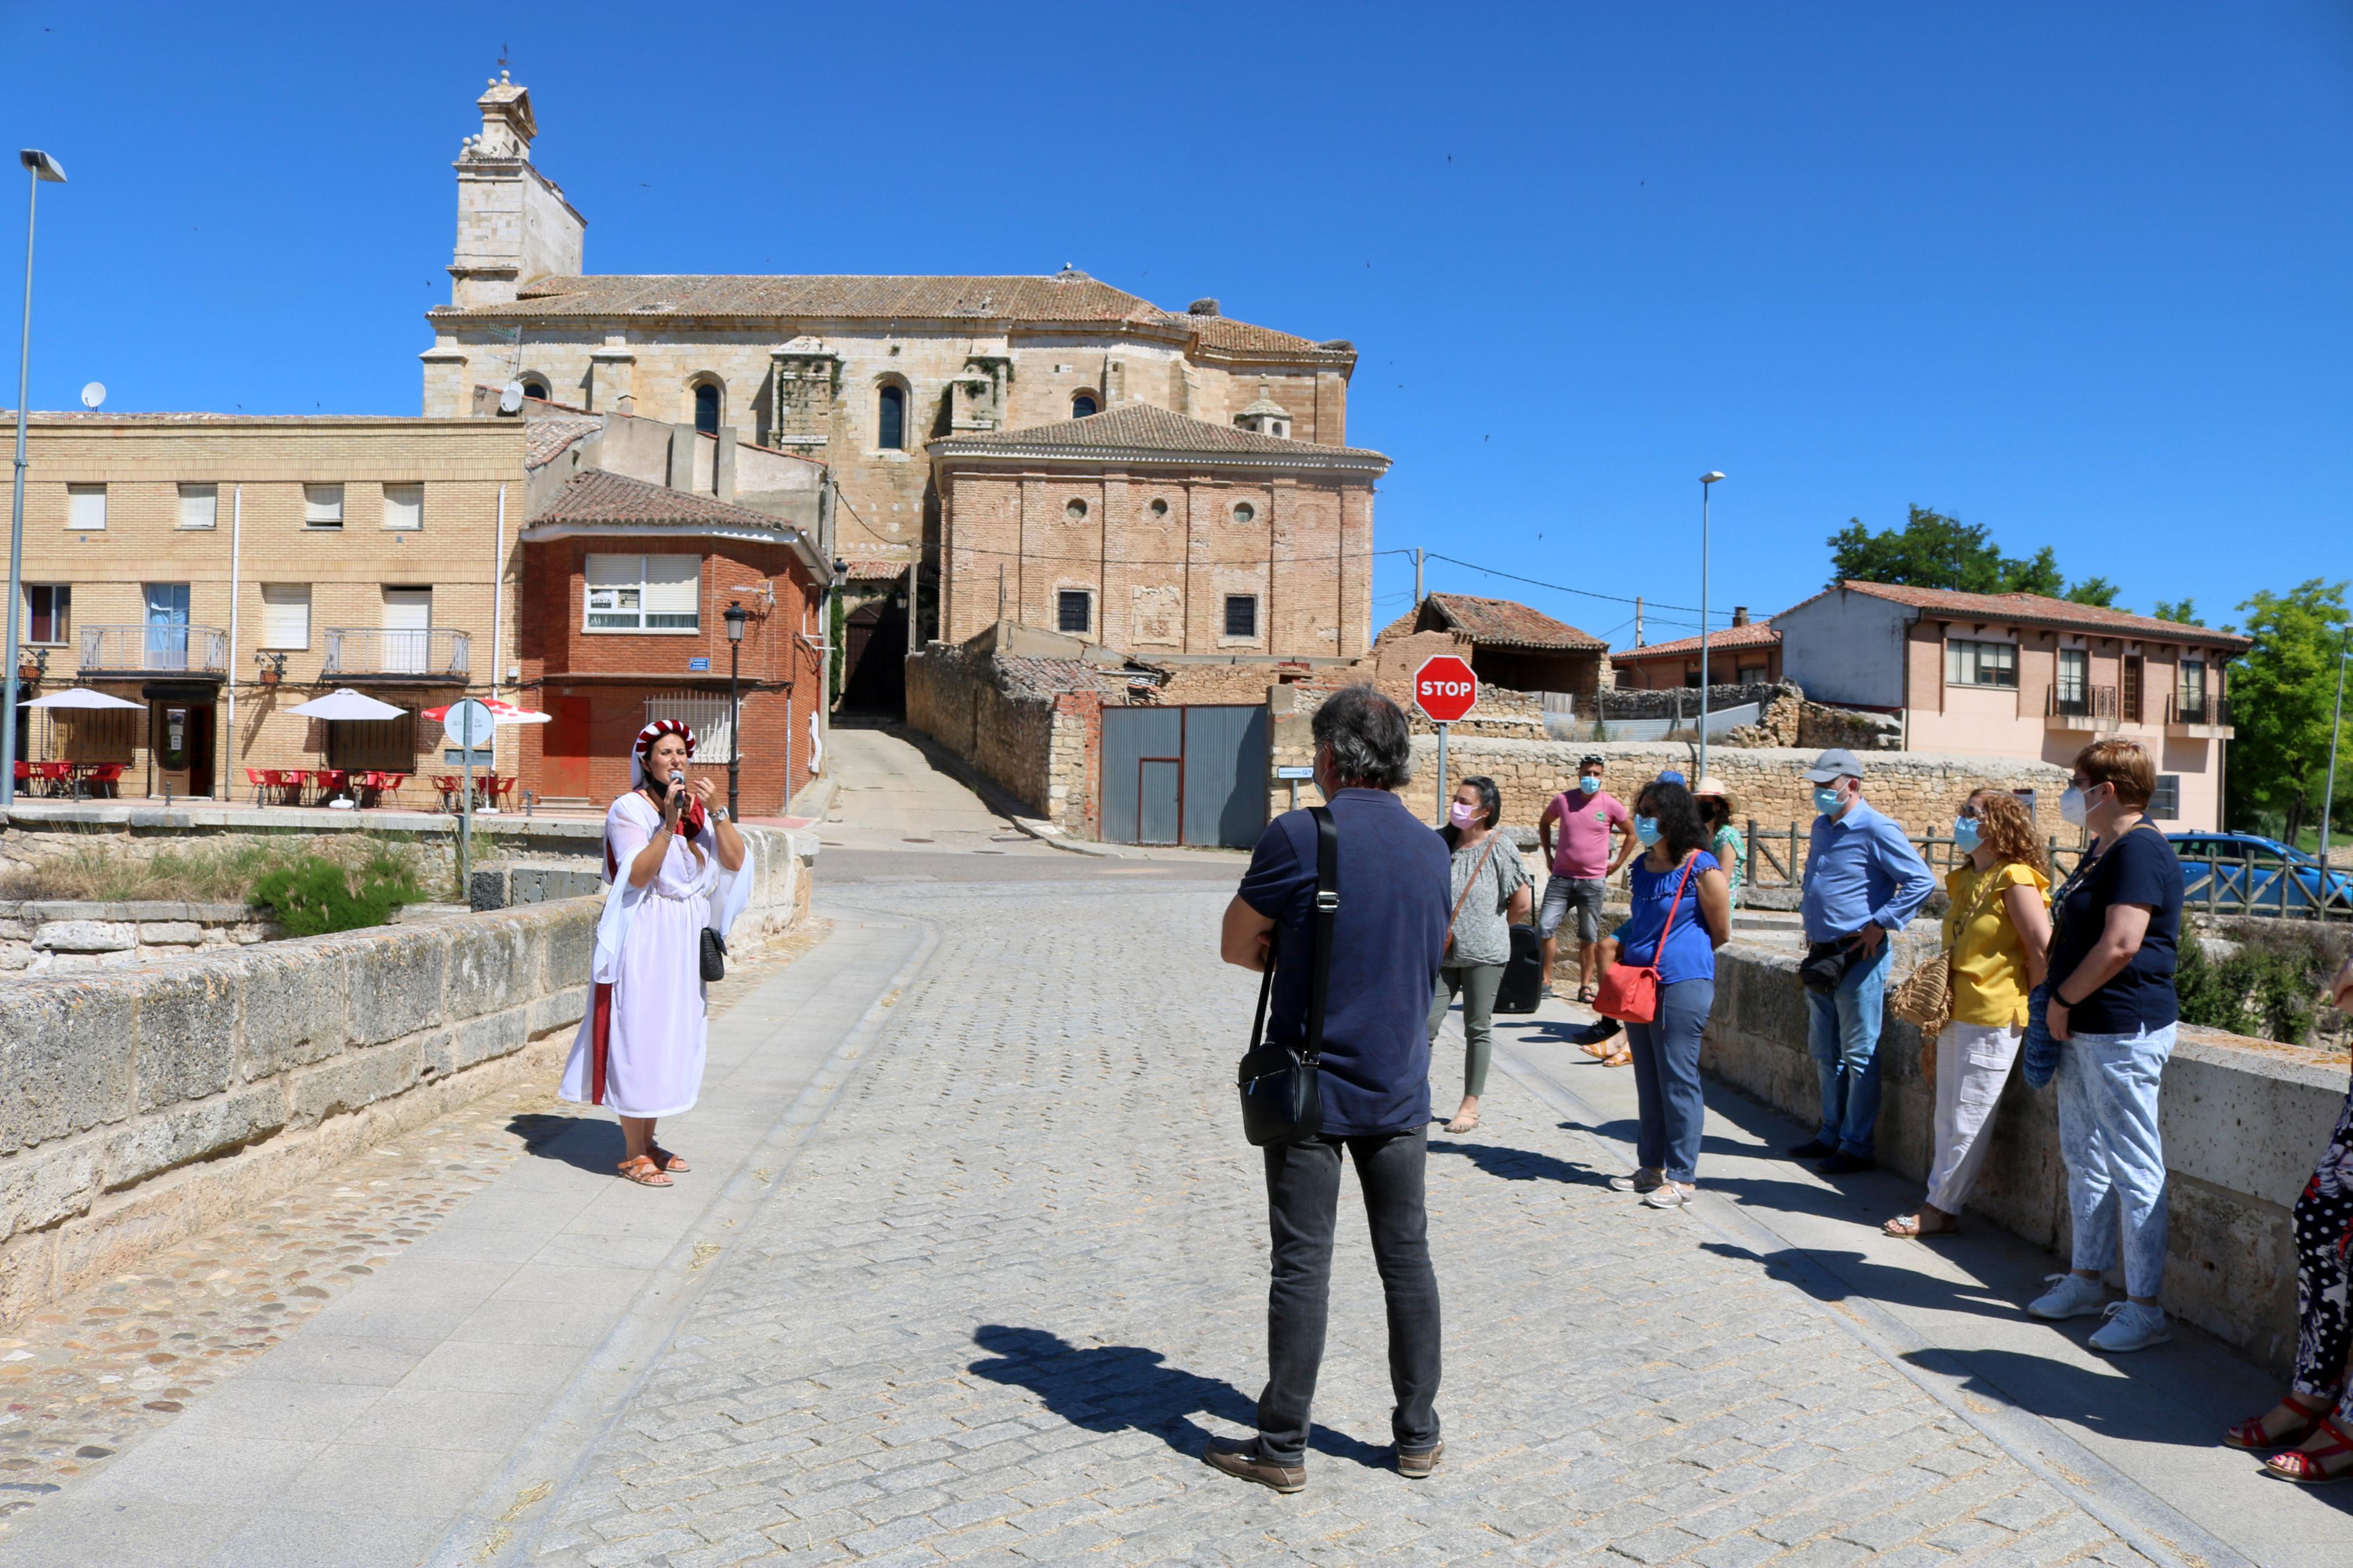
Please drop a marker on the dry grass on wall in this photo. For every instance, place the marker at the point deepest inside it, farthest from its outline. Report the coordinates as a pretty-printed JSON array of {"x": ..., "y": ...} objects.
[{"x": 209, "y": 872}]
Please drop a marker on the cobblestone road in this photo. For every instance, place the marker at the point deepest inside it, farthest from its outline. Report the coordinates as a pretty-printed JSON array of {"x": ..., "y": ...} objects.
[{"x": 1017, "y": 1278}]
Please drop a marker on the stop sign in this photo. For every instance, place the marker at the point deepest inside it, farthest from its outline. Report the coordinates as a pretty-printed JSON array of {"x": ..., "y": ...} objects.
[{"x": 1445, "y": 689}]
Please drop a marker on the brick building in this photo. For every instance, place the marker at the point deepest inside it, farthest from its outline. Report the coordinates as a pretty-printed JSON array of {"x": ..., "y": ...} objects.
[
  {"x": 860, "y": 371},
  {"x": 629, "y": 583},
  {"x": 1745, "y": 653},
  {"x": 1149, "y": 532},
  {"x": 217, "y": 569},
  {"x": 1512, "y": 644}
]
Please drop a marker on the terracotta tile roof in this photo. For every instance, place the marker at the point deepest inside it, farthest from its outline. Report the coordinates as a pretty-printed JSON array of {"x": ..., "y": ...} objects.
[
  {"x": 1061, "y": 298},
  {"x": 545, "y": 438},
  {"x": 2038, "y": 609},
  {"x": 1494, "y": 623},
  {"x": 1755, "y": 634},
  {"x": 1147, "y": 427},
  {"x": 599, "y": 496},
  {"x": 874, "y": 568}
]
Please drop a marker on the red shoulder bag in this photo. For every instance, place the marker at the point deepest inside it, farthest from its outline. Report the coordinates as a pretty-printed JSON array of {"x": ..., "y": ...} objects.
[{"x": 1629, "y": 992}]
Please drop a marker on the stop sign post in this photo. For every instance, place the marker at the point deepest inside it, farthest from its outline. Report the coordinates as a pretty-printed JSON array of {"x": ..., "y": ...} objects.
[{"x": 1444, "y": 689}]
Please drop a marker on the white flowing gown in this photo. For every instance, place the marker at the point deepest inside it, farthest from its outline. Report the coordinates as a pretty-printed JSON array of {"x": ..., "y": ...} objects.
[{"x": 647, "y": 970}]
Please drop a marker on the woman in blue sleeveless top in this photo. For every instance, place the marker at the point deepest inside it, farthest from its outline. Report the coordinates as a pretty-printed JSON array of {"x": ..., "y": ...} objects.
[{"x": 1666, "y": 1049}]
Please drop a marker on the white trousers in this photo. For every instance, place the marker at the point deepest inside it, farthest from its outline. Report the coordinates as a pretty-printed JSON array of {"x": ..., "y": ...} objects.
[{"x": 1972, "y": 1063}]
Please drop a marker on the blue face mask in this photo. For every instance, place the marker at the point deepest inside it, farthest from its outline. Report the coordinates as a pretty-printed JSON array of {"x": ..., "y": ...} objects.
[
  {"x": 1589, "y": 784},
  {"x": 1967, "y": 835},
  {"x": 1646, "y": 828},
  {"x": 1827, "y": 802}
]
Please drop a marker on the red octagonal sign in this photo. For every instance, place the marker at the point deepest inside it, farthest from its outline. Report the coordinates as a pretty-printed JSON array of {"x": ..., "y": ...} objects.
[{"x": 1445, "y": 689}]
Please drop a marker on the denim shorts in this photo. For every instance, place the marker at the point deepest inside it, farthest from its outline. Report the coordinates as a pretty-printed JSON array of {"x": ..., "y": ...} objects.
[{"x": 1584, "y": 895}]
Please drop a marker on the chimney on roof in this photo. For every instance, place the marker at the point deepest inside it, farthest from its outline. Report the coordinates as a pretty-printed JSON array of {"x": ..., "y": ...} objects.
[
  {"x": 1202, "y": 307},
  {"x": 1739, "y": 614}
]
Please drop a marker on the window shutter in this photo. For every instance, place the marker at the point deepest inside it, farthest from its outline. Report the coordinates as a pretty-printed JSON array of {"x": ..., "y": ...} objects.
[
  {"x": 286, "y": 614},
  {"x": 85, "y": 506},
  {"x": 199, "y": 506},
  {"x": 322, "y": 506},
  {"x": 404, "y": 506},
  {"x": 673, "y": 591},
  {"x": 408, "y": 609}
]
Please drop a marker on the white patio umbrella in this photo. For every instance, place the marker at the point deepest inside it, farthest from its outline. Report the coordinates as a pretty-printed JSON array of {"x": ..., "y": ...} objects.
[
  {"x": 344, "y": 703},
  {"x": 80, "y": 697}
]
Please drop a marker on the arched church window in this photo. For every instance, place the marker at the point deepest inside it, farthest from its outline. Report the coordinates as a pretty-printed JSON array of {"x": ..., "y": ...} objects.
[
  {"x": 1083, "y": 405},
  {"x": 890, "y": 422},
  {"x": 706, "y": 408},
  {"x": 534, "y": 387}
]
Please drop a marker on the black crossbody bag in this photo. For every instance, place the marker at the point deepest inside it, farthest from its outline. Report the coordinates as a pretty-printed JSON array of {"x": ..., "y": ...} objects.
[{"x": 1282, "y": 1093}]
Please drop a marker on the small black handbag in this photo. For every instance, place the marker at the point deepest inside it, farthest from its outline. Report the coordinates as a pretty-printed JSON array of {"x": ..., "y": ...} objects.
[
  {"x": 1282, "y": 1094},
  {"x": 714, "y": 955}
]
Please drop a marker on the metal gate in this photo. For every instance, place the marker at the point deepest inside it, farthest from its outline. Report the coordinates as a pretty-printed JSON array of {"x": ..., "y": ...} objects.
[{"x": 1183, "y": 775}]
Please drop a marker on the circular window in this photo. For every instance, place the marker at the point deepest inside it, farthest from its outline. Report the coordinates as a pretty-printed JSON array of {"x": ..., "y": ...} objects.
[
  {"x": 1159, "y": 510},
  {"x": 1244, "y": 511},
  {"x": 1076, "y": 512}
]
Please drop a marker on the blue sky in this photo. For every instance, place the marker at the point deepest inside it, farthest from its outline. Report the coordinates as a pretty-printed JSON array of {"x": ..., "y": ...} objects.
[{"x": 2077, "y": 273}]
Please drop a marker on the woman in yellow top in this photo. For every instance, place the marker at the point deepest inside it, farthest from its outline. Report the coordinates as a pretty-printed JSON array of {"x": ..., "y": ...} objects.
[{"x": 1997, "y": 934}]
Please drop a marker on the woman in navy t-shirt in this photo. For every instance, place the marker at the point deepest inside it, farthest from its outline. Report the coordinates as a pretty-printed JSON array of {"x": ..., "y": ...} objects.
[
  {"x": 2111, "y": 1002},
  {"x": 1666, "y": 1049}
]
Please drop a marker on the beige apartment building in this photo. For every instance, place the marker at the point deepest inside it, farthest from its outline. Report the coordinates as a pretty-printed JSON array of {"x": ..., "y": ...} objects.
[{"x": 218, "y": 569}]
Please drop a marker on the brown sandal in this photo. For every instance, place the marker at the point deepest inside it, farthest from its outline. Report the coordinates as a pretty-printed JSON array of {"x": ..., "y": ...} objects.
[
  {"x": 1619, "y": 1059},
  {"x": 1911, "y": 1227},
  {"x": 667, "y": 1160},
  {"x": 645, "y": 1173}
]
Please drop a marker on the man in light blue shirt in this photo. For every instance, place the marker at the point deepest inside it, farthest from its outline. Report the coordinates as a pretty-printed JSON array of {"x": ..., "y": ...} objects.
[{"x": 1863, "y": 881}]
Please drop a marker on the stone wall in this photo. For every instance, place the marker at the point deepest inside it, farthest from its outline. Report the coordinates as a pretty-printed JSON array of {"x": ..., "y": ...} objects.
[
  {"x": 2242, "y": 1122},
  {"x": 1039, "y": 743},
  {"x": 144, "y": 1104},
  {"x": 63, "y": 936}
]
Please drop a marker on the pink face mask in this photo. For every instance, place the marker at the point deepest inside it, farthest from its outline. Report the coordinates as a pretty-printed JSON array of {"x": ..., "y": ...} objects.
[{"x": 1460, "y": 814}]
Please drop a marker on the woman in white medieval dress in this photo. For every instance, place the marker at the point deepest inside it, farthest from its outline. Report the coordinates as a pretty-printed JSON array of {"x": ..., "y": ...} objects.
[{"x": 677, "y": 867}]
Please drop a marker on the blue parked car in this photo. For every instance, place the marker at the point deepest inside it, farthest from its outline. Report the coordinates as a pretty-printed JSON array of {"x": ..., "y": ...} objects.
[{"x": 2246, "y": 869}]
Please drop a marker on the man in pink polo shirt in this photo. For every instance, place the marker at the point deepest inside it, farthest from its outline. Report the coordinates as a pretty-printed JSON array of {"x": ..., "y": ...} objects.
[{"x": 1581, "y": 867}]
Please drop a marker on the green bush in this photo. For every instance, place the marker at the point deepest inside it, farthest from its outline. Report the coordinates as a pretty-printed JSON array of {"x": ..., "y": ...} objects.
[
  {"x": 314, "y": 895},
  {"x": 2270, "y": 988}
]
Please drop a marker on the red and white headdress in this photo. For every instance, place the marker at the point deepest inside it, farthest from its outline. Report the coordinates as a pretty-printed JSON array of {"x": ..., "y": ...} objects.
[{"x": 660, "y": 727}]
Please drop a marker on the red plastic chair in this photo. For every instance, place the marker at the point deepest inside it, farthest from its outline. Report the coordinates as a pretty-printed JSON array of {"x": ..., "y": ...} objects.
[
  {"x": 330, "y": 782},
  {"x": 449, "y": 785},
  {"x": 58, "y": 776},
  {"x": 107, "y": 776},
  {"x": 262, "y": 784}
]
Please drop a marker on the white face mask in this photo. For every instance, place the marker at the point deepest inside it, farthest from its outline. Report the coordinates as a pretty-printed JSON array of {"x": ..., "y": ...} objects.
[{"x": 2071, "y": 807}]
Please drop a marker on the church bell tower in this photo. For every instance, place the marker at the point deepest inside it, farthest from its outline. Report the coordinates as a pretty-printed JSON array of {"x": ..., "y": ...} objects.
[{"x": 513, "y": 224}]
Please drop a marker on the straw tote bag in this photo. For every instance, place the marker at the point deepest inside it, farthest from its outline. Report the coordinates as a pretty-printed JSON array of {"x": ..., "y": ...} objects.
[{"x": 1925, "y": 997}]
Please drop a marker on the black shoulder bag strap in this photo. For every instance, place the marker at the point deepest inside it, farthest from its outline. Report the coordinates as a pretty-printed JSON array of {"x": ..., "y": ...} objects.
[{"x": 1327, "y": 909}]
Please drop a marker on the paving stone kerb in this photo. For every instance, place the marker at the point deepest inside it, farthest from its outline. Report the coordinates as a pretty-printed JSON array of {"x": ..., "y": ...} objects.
[
  {"x": 144, "y": 1104},
  {"x": 2243, "y": 1120},
  {"x": 62, "y": 935}
]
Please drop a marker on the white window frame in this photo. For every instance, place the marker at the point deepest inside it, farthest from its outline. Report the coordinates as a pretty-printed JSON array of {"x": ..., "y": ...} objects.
[
  {"x": 52, "y": 589},
  {"x": 2080, "y": 660},
  {"x": 278, "y": 600},
  {"x": 205, "y": 501},
  {"x": 1966, "y": 663},
  {"x": 411, "y": 499},
  {"x": 86, "y": 508},
  {"x": 705, "y": 713},
  {"x": 2165, "y": 801},
  {"x": 628, "y": 597},
  {"x": 322, "y": 506}
]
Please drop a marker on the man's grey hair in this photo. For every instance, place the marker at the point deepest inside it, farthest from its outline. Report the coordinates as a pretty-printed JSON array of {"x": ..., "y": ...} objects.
[{"x": 1371, "y": 743}]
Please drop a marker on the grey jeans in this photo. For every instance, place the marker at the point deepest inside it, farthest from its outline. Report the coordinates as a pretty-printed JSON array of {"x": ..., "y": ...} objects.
[
  {"x": 1303, "y": 1197},
  {"x": 1478, "y": 983}
]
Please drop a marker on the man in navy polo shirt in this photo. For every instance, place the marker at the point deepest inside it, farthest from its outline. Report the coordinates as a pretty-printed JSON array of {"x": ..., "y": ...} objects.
[{"x": 1387, "y": 938}]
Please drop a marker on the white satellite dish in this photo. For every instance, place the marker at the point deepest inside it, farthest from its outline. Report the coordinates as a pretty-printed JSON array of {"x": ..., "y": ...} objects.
[
  {"x": 93, "y": 394},
  {"x": 510, "y": 397}
]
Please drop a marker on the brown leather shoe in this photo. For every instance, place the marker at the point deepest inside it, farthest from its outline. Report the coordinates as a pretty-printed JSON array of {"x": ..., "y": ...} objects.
[
  {"x": 1239, "y": 1459},
  {"x": 1416, "y": 1467}
]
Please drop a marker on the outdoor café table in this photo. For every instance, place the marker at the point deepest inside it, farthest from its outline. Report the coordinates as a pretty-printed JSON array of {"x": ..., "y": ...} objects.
[{"x": 329, "y": 782}]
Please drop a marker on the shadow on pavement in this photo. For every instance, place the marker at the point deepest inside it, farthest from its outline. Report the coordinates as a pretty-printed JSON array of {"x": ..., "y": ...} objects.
[
  {"x": 1625, "y": 1130},
  {"x": 2086, "y": 1397},
  {"x": 585, "y": 1143},
  {"x": 1523, "y": 1164},
  {"x": 1122, "y": 1388}
]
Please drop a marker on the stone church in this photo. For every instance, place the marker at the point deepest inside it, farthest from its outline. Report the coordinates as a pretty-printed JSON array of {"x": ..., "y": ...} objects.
[{"x": 1045, "y": 449}]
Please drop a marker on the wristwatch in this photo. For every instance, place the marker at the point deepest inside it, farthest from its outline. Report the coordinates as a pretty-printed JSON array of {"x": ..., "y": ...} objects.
[{"x": 720, "y": 815}]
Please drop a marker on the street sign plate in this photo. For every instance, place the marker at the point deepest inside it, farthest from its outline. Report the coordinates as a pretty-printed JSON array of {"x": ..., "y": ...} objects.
[
  {"x": 1293, "y": 772},
  {"x": 697, "y": 666},
  {"x": 1444, "y": 689},
  {"x": 470, "y": 724}
]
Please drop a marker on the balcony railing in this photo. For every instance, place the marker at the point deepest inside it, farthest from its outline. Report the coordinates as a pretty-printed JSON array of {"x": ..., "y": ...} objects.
[
  {"x": 2205, "y": 714},
  {"x": 154, "y": 650},
  {"x": 2080, "y": 708},
  {"x": 372, "y": 653}
]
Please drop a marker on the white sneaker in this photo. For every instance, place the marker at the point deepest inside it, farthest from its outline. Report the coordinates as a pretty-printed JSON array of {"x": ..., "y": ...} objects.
[
  {"x": 1642, "y": 1181},
  {"x": 1668, "y": 1196},
  {"x": 2070, "y": 1296},
  {"x": 2131, "y": 1327}
]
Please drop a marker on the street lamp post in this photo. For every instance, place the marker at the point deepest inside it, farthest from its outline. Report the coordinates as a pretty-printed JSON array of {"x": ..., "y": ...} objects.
[
  {"x": 736, "y": 616},
  {"x": 38, "y": 166},
  {"x": 2335, "y": 723},
  {"x": 1707, "y": 483}
]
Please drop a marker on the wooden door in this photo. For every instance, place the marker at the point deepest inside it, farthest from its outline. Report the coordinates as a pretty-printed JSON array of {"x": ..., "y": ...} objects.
[
  {"x": 2132, "y": 687},
  {"x": 566, "y": 749}
]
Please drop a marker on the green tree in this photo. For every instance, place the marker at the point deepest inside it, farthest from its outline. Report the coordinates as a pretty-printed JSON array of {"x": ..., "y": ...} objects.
[
  {"x": 1933, "y": 551},
  {"x": 2283, "y": 691},
  {"x": 2184, "y": 611}
]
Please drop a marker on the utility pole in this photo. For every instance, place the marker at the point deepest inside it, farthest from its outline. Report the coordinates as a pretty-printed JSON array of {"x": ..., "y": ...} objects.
[
  {"x": 38, "y": 166},
  {"x": 1707, "y": 485},
  {"x": 2335, "y": 723},
  {"x": 1638, "y": 620},
  {"x": 1417, "y": 578}
]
